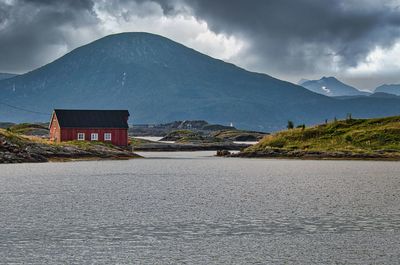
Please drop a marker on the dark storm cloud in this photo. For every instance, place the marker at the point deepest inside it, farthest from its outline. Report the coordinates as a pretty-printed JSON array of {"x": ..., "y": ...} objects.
[
  {"x": 286, "y": 37},
  {"x": 31, "y": 31},
  {"x": 74, "y": 4},
  {"x": 292, "y": 36}
]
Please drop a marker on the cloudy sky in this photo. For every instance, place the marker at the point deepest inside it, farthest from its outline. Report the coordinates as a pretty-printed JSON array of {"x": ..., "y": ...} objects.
[{"x": 357, "y": 41}]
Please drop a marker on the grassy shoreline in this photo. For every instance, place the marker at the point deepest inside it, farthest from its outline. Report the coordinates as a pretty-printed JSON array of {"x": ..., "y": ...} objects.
[{"x": 351, "y": 139}]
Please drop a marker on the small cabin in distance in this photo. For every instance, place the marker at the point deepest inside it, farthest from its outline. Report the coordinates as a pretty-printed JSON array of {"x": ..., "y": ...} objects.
[{"x": 109, "y": 126}]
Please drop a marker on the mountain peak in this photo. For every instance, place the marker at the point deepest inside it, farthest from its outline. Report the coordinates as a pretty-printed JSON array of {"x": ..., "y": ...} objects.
[
  {"x": 331, "y": 86},
  {"x": 390, "y": 89},
  {"x": 159, "y": 80},
  {"x": 329, "y": 78},
  {"x": 156, "y": 79}
]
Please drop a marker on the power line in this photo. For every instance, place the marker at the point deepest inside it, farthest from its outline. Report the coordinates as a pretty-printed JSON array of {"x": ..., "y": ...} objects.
[{"x": 27, "y": 110}]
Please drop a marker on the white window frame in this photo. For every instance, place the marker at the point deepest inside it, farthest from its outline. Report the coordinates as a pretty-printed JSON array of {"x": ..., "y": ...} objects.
[
  {"x": 107, "y": 137},
  {"x": 81, "y": 136},
  {"x": 94, "y": 137}
]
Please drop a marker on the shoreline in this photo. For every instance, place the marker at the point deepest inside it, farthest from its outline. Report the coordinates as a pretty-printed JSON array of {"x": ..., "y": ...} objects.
[
  {"x": 93, "y": 158},
  {"x": 315, "y": 155}
]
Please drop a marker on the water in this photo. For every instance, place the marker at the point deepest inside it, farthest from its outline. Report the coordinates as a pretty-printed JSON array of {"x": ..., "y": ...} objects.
[
  {"x": 191, "y": 208},
  {"x": 154, "y": 139},
  {"x": 158, "y": 139}
]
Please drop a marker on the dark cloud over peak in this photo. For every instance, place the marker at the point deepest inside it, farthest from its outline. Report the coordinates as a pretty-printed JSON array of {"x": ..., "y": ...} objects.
[
  {"x": 286, "y": 38},
  {"x": 294, "y": 35}
]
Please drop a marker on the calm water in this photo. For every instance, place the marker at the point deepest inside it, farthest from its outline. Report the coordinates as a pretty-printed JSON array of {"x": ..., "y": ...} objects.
[{"x": 196, "y": 209}]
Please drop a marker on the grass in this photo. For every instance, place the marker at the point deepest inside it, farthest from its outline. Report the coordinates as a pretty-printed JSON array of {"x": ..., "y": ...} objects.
[
  {"x": 354, "y": 135},
  {"x": 184, "y": 136},
  {"x": 87, "y": 144},
  {"x": 24, "y": 128},
  {"x": 13, "y": 137},
  {"x": 238, "y": 135}
]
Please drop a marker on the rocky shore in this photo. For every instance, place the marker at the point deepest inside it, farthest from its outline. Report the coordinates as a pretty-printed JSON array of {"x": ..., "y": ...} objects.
[
  {"x": 301, "y": 154},
  {"x": 18, "y": 149}
]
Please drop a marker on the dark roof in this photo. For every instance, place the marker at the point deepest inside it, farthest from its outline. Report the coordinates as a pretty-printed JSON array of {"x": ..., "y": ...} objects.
[{"x": 68, "y": 118}]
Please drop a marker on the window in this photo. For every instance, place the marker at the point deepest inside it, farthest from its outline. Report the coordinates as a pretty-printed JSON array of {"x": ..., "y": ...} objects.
[
  {"x": 94, "y": 136},
  {"x": 107, "y": 137},
  {"x": 81, "y": 136}
]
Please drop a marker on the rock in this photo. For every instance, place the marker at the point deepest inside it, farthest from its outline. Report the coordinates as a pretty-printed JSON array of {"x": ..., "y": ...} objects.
[{"x": 223, "y": 153}]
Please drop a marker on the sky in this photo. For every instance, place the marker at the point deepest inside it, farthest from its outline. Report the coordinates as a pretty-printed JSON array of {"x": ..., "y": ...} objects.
[{"x": 357, "y": 41}]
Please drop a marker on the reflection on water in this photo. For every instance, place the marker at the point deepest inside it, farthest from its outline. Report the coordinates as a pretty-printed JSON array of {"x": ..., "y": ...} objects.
[{"x": 196, "y": 208}]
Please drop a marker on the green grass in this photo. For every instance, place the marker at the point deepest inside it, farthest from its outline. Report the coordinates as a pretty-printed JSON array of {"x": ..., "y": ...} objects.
[
  {"x": 12, "y": 137},
  {"x": 238, "y": 135},
  {"x": 24, "y": 128},
  {"x": 355, "y": 135},
  {"x": 85, "y": 145},
  {"x": 183, "y": 136}
]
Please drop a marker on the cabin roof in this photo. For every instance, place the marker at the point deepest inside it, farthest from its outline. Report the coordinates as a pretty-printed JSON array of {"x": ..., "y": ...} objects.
[{"x": 73, "y": 118}]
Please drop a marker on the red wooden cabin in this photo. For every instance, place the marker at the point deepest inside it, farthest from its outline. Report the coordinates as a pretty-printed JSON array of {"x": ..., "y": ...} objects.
[{"x": 90, "y": 125}]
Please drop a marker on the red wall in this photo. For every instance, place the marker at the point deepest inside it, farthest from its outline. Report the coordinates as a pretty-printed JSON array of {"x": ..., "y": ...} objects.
[
  {"x": 55, "y": 130},
  {"x": 118, "y": 136}
]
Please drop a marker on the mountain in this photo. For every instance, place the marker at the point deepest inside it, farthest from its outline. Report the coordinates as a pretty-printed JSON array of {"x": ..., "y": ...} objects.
[
  {"x": 390, "y": 89},
  {"x": 330, "y": 86},
  {"x": 383, "y": 95},
  {"x": 159, "y": 80},
  {"x": 373, "y": 95},
  {"x": 6, "y": 75}
]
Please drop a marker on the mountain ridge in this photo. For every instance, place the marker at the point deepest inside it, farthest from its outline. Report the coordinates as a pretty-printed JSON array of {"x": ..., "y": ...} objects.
[
  {"x": 159, "y": 80},
  {"x": 331, "y": 86},
  {"x": 389, "y": 89}
]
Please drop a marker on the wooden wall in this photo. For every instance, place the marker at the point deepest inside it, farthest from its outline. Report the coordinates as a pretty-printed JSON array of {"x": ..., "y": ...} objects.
[{"x": 119, "y": 137}]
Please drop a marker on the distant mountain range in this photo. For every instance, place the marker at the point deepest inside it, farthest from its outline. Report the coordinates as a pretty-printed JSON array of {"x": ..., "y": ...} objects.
[
  {"x": 331, "y": 87},
  {"x": 6, "y": 75},
  {"x": 159, "y": 80},
  {"x": 390, "y": 89}
]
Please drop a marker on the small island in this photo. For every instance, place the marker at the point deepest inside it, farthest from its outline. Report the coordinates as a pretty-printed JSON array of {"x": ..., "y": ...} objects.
[
  {"x": 189, "y": 140},
  {"x": 362, "y": 139},
  {"x": 192, "y": 135},
  {"x": 18, "y": 144}
]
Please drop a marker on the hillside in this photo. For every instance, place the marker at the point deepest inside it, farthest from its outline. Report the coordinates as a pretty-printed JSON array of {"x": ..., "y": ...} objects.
[
  {"x": 330, "y": 86},
  {"x": 352, "y": 138},
  {"x": 390, "y": 89},
  {"x": 159, "y": 80}
]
